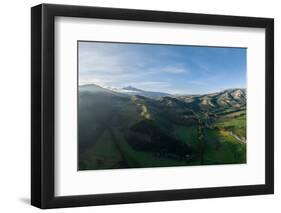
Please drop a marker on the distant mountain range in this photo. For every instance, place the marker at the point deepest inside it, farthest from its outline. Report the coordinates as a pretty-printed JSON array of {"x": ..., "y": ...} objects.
[
  {"x": 230, "y": 97},
  {"x": 225, "y": 98},
  {"x": 129, "y": 90}
]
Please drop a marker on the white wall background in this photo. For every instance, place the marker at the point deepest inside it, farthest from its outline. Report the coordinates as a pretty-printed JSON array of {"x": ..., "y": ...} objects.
[{"x": 15, "y": 105}]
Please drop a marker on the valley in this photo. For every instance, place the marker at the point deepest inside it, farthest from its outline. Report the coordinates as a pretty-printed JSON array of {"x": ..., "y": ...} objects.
[{"x": 132, "y": 128}]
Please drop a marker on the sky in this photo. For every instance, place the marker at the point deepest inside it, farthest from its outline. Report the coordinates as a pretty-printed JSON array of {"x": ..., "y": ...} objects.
[{"x": 174, "y": 69}]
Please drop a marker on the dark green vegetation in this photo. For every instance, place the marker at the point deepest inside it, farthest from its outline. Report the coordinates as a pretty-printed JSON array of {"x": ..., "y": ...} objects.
[{"x": 122, "y": 130}]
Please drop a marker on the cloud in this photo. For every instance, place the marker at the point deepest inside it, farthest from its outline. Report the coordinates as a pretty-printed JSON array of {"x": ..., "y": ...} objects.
[
  {"x": 115, "y": 65},
  {"x": 159, "y": 67}
]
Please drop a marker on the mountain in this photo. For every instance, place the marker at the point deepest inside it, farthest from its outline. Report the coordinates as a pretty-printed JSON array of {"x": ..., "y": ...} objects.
[
  {"x": 133, "y": 128},
  {"x": 94, "y": 88},
  {"x": 228, "y": 98},
  {"x": 135, "y": 91},
  {"x": 129, "y": 90}
]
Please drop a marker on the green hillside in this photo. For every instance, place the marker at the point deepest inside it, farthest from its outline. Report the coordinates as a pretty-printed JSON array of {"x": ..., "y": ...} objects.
[{"x": 119, "y": 130}]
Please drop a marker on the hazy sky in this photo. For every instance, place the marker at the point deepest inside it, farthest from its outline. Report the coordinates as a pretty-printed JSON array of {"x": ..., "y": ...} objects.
[{"x": 164, "y": 68}]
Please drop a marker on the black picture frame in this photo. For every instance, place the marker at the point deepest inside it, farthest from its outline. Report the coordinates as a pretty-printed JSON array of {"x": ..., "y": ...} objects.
[{"x": 43, "y": 102}]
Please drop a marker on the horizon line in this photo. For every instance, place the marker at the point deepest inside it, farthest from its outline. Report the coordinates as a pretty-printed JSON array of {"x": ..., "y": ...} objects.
[{"x": 211, "y": 92}]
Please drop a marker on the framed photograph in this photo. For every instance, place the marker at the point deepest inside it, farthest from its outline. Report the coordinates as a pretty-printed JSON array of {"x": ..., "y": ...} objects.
[{"x": 139, "y": 106}]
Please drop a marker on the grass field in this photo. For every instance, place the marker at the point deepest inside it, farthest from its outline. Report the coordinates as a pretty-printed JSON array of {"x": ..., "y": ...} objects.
[
  {"x": 236, "y": 125},
  {"x": 222, "y": 148}
]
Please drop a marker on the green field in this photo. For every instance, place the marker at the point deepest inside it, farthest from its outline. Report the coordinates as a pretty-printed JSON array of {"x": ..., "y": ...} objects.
[
  {"x": 222, "y": 148},
  {"x": 237, "y": 125}
]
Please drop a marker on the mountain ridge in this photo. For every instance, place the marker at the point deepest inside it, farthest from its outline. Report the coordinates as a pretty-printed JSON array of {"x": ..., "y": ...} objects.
[
  {"x": 233, "y": 97},
  {"x": 132, "y": 88}
]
